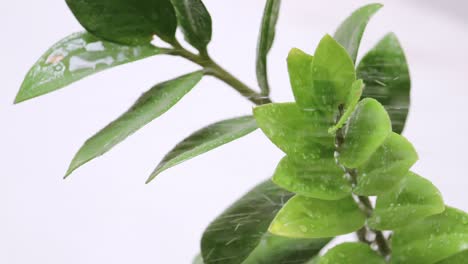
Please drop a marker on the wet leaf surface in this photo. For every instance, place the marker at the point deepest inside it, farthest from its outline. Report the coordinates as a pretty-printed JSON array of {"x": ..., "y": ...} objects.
[{"x": 351, "y": 253}]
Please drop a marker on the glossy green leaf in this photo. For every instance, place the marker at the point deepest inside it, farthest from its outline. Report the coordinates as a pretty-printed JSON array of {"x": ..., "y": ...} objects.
[
  {"x": 149, "y": 106},
  {"x": 386, "y": 167},
  {"x": 265, "y": 41},
  {"x": 350, "y": 32},
  {"x": 432, "y": 239},
  {"x": 126, "y": 21},
  {"x": 351, "y": 253},
  {"x": 322, "y": 179},
  {"x": 195, "y": 21},
  {"x": 304, "y": 217},
  {"x": 366, "y": 130},
  {"x": 460, "y": 258},
  {"x": 75, "y": 57},
  {"x": 413, "y": 199},
  {"x": 239, "y": 235},
  {"x": 300, "y": 65},
  {"x": 206, "y": 139},
  {"x": 350, "y": 105},
  {"x": 296, "y": 132},
  {"x": 385, "y": 72}
]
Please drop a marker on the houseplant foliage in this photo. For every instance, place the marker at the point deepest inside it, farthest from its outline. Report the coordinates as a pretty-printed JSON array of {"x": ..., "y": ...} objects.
[{"x": 341, "y": 136}]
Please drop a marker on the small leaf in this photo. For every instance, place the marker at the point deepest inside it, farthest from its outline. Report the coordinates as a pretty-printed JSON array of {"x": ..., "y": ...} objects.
[
  {"x": 239, "y": 235},
  {"x": 304, "y": 217},
  {"x": 149, "y": 106},
  {"x": 300, "y": 65},
  {"x": 367, "y": 129},
  {"x": 413, "y": 199},
  {"x": 351, "y": 253},
  {"x": 75, "y": 57},
  {"x": 350, "y": 105},
  {"x": 296, "y": 132},
  {"x": 265, "y": 41},
  {"x": 432, "y": 239},
  {"x": 350, "y": 32},
  {"x": 206, "y": 139},
  {"x": 195, "y": 21},
  {"x": 198, "y": 260},
  {"x": 385, "y": 72},
  {"x": 321, "y": 179},
  {"x": 126, "y": 21},
  {"x": 459, "y": 258},
  {"x": 386, "y": 167}
]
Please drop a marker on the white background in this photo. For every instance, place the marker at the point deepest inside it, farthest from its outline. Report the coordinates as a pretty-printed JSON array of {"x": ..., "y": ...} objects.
[{"x": 106, "y": 214}]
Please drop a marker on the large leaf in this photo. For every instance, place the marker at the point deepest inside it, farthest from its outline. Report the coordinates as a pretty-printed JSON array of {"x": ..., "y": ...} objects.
[
  {"x": 367, "y": 129},
  {"x": 321, "y": 179},
  {"x": 265, "y": 41},
  {"x": 296, "y": 132},
  {"x": 195, "y": 21},
  {"x": 385, "y": 72},
  {"x": 350, "y": 32},
  {"x": 130, "y": 22},
  {"x": 239, "y": 235},
  {"x": 413, "y": 199},
  {"x": 386, "y": 167},
  {"x": 431, "y": 240},
  {"x": 75, "y": 57},
  {"x": 351, "y": 253},
  {"x": 149, "y": 106},
  {"x": 304, "y": 217},
  {"x": 206, "y": 139}
]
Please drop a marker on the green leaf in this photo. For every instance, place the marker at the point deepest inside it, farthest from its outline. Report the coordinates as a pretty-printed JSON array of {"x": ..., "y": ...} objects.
[
  {"x": 366, "y": 130},
  {"x": 386, "y": 167},
  {"x": 304, "y": 217},
  {"x": 265, "y": 41},
  {"x": 385, "y": 72},
  {"x": 459, "y": 258},
  {"x": 126, "y": 21},
  {"x": 239, "y": 235},
  {"x": 350, "y": 105},
  {"x": 321, "y": 179},
  {"x": 75, "y": 57},
  {"x": 413, "y": 199},
  {"x": 432, "y": 239},
  {"x": 300, "y": 65},
  {"x": 351, "y": 253},
  {"x": 350, "y": 32},
  {"x": 296, "y": 132},
  {"x": 195, "y": 21},
  {"x": 206, "y": 139},
  {"x": 149, "y": 106},
  {"x": 198, "y": 260}
]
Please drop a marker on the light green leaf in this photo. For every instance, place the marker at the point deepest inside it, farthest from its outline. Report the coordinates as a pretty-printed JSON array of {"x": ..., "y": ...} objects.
[
  {"x": 149, "y": 106},
  {"x": 350, "y": 32},
  {"x": 296, "y": 132},
  {"x": 300, "y": 65},
  {"x": 321, "y": 179},
  {"x": 350, "y": 105},
  {"x": 366, "y": 130},
  {"x": 386, "y": 167},
  {"x": 206, "y": 139},
  {"x": 75, "y": 57},
  {"x": 126, "y": 21},
  {"x": 304, "y": 217},
  {"x": 195, "y": 21},
  {"x": 459, "y": 258},
  {"x": 351, "y": 253},
  {"x": 265, "y": 41},
  {"x": 413, "y": 199},
  {"x": 239, "y": 235},
  {"x": 385, "y": 72},
  {"x": 198, "y": 260},
  {"x": 432, "y": 239}
]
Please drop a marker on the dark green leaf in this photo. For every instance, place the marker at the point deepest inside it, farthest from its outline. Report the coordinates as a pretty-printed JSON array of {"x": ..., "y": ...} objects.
[
  {"x": 206, "y": 139},
  {"x": 304, "y": 217},
  {"x": 432, "y": 239},
  {"x": 126, "y": 21},
  {"x": 239, "y": 235},
  {"x": 195, "y": 22},
  {"x": 350, "y": 32},
  {"x": 265, "y": 41},
  {"x": 413, "y": 199},
  {"x": 149, "y": 106},
  {"x": 351, "y": 253},
  {"x": 75, "y": 57},
  {"x": 386, "y": 75}
]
